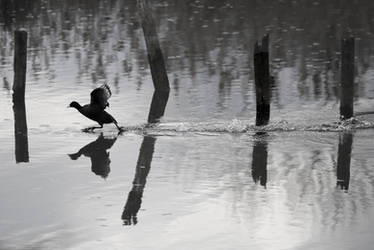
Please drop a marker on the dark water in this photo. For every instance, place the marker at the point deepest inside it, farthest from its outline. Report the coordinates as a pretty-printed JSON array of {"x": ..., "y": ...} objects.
[{"x": 204, "y": 178}]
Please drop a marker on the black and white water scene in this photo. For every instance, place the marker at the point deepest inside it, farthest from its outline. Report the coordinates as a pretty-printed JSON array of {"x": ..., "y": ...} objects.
[{"x": 186, "y": 124}]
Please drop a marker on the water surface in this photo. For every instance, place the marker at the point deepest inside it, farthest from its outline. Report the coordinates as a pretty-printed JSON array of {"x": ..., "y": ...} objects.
[{"x": 205, "y": 178}]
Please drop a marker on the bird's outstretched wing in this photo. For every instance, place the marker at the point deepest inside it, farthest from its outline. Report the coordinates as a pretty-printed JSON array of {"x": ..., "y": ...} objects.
[{"x": 100, "y": 96}]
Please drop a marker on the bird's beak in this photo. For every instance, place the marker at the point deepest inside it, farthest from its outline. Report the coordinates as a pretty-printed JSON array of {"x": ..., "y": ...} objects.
[{"x": 68, "y": 106}]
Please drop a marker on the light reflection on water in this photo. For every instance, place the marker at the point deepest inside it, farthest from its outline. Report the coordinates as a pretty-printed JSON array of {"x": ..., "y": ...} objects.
[
  {"x": 205, "y": 189},
  {"x": 196, "y": 190}
]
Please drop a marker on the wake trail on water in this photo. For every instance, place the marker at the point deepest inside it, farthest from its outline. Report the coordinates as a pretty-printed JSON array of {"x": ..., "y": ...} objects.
[{"x": 246, "y": 126}]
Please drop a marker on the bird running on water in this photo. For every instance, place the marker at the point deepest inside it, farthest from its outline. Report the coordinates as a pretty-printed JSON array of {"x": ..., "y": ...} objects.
[{"x": 95, "y": 110}]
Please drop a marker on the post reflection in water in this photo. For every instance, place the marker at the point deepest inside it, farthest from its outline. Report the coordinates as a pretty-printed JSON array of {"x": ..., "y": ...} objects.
[
  {"x": 97, "y": 151},
  {"x": 344, "y": 160},
  {"x": 20, "y": 131},
  {"x": 259, "y": 158},
  {"x": 134, "y": 199}
]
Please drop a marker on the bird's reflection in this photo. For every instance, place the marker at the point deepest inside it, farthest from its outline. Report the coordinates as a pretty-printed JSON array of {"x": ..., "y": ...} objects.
[
  {"x": 20, "y": 131},
  {"x": 344, "y": 160},
  {"x": 259, "y": 158},
  {"x": 97, "y": 151},
  {"x": 134, "y": 199}
]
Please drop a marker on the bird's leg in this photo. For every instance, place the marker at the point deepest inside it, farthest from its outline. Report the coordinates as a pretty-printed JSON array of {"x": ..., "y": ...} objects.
[
  {"x": 120, "y": 129},
  {"x": 92, "y": 128},
  {"x": 101, "y": 126}
]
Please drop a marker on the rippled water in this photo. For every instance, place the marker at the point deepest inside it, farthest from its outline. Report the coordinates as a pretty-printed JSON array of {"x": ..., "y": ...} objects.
[{"x": 206, "y": 177}]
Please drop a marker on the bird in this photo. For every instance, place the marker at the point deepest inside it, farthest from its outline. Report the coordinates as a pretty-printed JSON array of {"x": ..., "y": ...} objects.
[{"x": 95, "y": 110}]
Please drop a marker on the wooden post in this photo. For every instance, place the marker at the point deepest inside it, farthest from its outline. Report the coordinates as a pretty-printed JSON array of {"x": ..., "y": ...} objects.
[
  {"x": 134, "y": 199},
  {"x": 156, "y": 62},
  {"x": 262, "y": 81},
  {"x": 19, "y": 109},
  {"x": 20, "y": 59},
  {"x": 159, "y": 101},
  {"x": 347, "y": 78},
  {"x": 344, "y": 160},
  {"x": 20, "y": 132},
  {"x": 259, "y": 160}
]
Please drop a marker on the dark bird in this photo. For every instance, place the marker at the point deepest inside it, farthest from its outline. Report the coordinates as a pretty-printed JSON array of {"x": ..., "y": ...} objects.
[
  {"x": 95, "y": 110},
  {"x": 97, "y": 152}
]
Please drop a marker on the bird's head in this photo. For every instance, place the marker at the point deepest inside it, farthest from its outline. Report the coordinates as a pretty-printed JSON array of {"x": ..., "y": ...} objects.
[{"x": 74, "y": 105}]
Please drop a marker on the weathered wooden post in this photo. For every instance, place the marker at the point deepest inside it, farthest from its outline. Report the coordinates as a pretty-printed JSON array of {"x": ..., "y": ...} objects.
[
  {"x": 20, "y": 132},
  {"x": 20, "y": 59},
  {"x": 134, "y": 199},
  {"x": 156, "y": 62},
  {"x": 262, "y": 81},
  {"x": 347, "y": 78},
  {"x": 19, "y": 109},
  {"x": 158, "y": 105},
  {"x": 344, "y": 160},
  {"x": 259, "y": 160}
]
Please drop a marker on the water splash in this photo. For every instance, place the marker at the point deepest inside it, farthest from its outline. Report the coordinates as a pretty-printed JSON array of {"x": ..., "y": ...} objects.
[
  {"x": 343, "y": 125},
  {"x": 335, "y": 126},
  {"x": 246, "y": 126}
]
